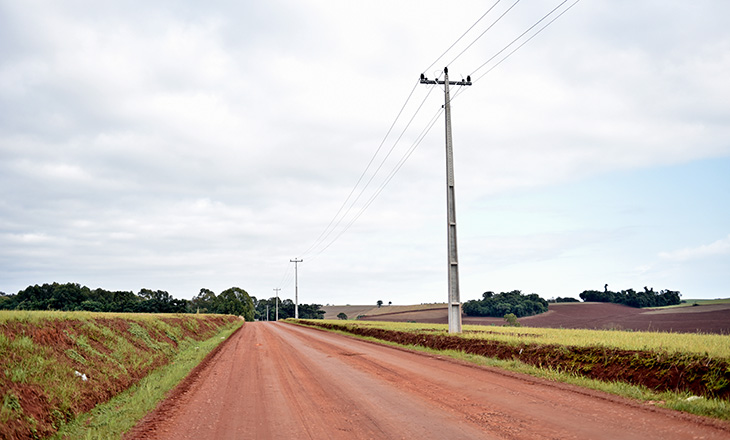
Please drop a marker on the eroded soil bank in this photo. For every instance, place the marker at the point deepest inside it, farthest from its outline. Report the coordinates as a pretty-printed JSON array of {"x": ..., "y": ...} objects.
[{"x": 58, "y": 365}]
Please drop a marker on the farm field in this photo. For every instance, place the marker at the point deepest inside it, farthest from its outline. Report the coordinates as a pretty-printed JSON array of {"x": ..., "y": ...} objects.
[
  {"x": 302, "y": 382},
  {"x": 706, "y": 317},
  {"x": 352, "y": 312},
  {"x": 55, "y": 366}
]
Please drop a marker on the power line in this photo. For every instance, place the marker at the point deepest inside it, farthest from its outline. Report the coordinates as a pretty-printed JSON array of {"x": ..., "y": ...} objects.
[
  {"x": 367, "y": 184},
  {"x": 329, "y": 229},
  {"x": 285, "y": 279},
  {"x": 462, "y": 36},
  {"x": 485, "y": 31},
  {"x": 339, "y": 216},
  {"x": 390, "y": 177},
  {"x": 325, "y": 232},
  {"x": 525, "y": 32},
  {"x": 458, "y": 93}
]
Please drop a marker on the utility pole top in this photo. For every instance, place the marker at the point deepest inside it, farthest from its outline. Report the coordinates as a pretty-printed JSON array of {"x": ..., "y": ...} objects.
[{"x": 466, "y": 82}]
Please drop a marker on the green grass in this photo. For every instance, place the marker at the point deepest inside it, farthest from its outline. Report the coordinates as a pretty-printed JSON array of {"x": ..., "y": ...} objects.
[
  {"x": 111, "y": 419},
  {"x": 681, "y": 401},
  {"x": 693, "y": 302}
]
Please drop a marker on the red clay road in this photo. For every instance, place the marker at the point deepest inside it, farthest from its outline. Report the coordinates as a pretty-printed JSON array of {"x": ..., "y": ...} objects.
[{"x": 279, "y": 381}]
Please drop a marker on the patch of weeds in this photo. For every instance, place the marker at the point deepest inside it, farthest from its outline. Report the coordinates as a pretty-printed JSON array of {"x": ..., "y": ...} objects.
[
  {"x": 172, "y": 337},
  {"x": 11, "y": 407},
  {"x": 75, "y": 356},
  {"x": 30, "y": 364},
  {"x": 141, "y": 333},
  {"x": 57, "y": 418},
  {"x": 23, "y": 343},
  {"x": 715, "y": 381}
]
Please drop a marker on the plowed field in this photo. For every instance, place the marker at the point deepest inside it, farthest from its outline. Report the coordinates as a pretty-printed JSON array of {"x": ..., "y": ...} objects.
[{"x": 701, "y": 319}]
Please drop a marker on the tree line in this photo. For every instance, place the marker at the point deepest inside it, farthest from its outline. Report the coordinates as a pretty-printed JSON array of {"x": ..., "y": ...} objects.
[
  {"x": 519, "y": 304},
  {"x": 501, "y": 304},
  {"x": 632, "y": 298},
  {"x": 74, "y": 297}
]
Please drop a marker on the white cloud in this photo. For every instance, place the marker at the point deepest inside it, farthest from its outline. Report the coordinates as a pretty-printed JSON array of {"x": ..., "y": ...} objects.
[
  {"x": 218, "y": 140},
  {"x": 714, "y": 249}
]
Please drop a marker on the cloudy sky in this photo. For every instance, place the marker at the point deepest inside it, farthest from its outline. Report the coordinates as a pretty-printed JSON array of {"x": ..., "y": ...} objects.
[{"x": 180, "y": 145}]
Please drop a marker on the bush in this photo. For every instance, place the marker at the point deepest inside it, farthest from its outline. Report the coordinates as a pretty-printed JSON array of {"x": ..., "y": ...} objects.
[{"x": 511, "y": 320}]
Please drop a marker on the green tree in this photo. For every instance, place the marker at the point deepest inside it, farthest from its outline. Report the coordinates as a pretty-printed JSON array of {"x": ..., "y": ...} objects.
[
  {"x": 311, "y": 311},
  {"x": 160, "y": 301},
  {"x": 236, "y": 301},
  {"x": 342, "y": 315},
  {"x": 379, "y": 303},
  {"x": 204, "y": 302}
]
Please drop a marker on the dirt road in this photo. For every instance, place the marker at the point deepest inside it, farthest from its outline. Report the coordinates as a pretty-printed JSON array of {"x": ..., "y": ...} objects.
[{"x": 275, "y": 380}]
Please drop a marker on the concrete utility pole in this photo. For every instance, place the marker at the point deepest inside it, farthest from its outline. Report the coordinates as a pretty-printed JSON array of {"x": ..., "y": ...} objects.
[
  {"x": 296, "y": 288},
  {"x": 453, "y": 257},
  {"x": 277, "y": 303}
]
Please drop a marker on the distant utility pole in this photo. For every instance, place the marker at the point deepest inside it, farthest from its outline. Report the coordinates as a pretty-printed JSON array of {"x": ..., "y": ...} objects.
[
  {"x": 267, "y": 313},
  {"x": 277, "y": 303},
  {"x": 453, "y": 257},
  {"x": 296, "y": 288}
]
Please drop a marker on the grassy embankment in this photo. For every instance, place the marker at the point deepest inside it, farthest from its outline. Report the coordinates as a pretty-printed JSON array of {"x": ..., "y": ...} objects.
[
  {"x": 58, "y": 366},
  {"x": 687, "y": 372}
]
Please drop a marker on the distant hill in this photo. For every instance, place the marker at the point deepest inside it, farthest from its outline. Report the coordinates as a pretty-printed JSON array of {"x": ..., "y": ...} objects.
[
  {"x": 705, "y": 317},
  {"x": 352, "y": 312}
]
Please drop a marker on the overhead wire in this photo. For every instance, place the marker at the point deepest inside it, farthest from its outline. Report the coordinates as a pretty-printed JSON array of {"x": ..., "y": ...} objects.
[
  {"x": 375, "y": 173},
  {"x": 485, "y": 31},
  {"x": 339, "y": 216},
  {"x": 462, "y": 36},
  {"x": 387, "y": 180},
  {"x": 330, "y": 228},
  {"x": 474, "y": 80},
  {"x": 325, "y": 232},
  {"x": 524, "y": 33}
]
